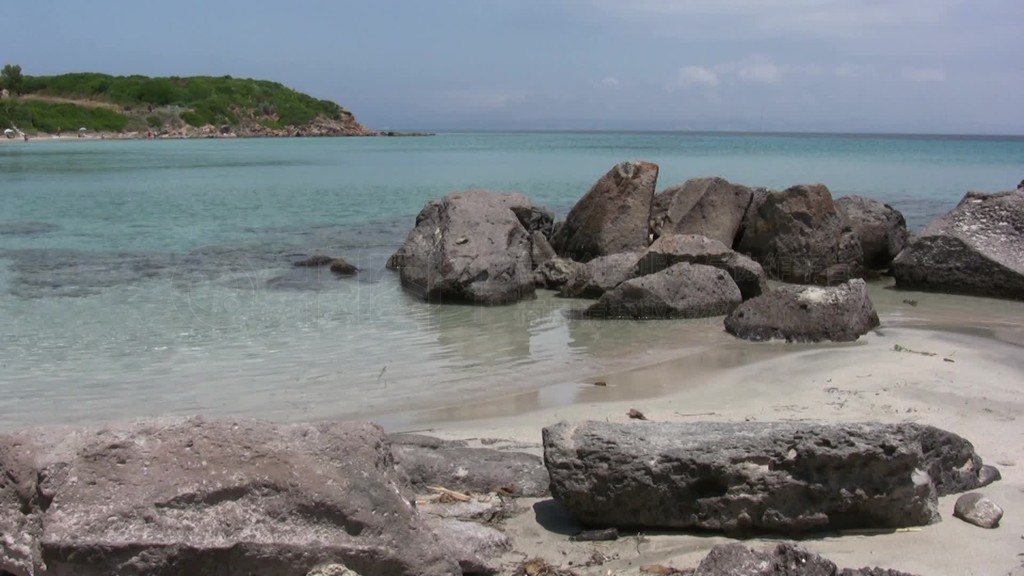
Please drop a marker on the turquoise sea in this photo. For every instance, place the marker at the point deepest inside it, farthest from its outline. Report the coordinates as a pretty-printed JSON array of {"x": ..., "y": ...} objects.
[{"x": 154, "y": 277}]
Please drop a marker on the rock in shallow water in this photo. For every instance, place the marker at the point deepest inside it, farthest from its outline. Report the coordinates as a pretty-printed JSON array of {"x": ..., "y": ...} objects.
[
  {"x": 781, "y": 477},
  {"x": 681, "y": 291},
  {"x": 806, "y": 314}
]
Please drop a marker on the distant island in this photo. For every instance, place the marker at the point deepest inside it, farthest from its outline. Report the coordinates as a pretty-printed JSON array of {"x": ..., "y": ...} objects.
[{"x": 94, "y": 105}]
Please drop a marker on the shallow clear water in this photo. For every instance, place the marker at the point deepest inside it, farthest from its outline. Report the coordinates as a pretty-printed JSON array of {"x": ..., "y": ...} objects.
[{"x": 147, "y": 277}]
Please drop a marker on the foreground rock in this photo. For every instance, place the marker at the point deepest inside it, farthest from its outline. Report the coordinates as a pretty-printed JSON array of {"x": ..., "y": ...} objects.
[
  {"x": 614, "y": 216},
  {"x": 976, "y": 249},
  {"x": 806, "y": 314},
  {"x": 469, "y": 247},
  {"x": 425, "y": 461},
  {"x": 710, "y": 207},
  {"x": 600, "y": 275},
  {"x": 798, "y": 236},
  {"x": 672, "y": 249},
  {"x": 170, "y": 497},
  {"x": 785, "y": 559},
  {"x": 881, "y": 228},
  {"x": 780, "y": 477},
  {"x": 681, "y": 291},
  {"x": 978, "y": 510}
]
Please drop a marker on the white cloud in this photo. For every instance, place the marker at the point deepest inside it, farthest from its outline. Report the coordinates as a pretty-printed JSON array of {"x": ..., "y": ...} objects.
[
  {"x": 696, "y": 76},
  {"x": 610, "y": 82},
  {"x": 765, "y": 72},
  {"x": 924, "y": 74}
]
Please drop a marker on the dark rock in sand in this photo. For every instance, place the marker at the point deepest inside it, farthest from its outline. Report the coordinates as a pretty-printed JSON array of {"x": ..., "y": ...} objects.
[
  {"x": 469, "y": 247},
  {"x": 680, "y": 291},
  {"x": 192, "y": 496},
  {"x": 976, "y": 249},
  {"x": 425, "y": 461},
  {"x": 952, "y": 463},
  {"x": 556, "y": 273},
  {"x": 601, "y": 275},
  {"x": 785, "y": 559},
  {"x": 613, "y": 217},
  {"x": 780, "y": 477},
  {"x": 978, "y": 510},
  {"x": 797, "y": 235},
  {"x": 672, "y": 249},
  {"x": 806, "y": 314},
  {"x": 710, "y": 207},
  {"x": 881, "y": 228}
]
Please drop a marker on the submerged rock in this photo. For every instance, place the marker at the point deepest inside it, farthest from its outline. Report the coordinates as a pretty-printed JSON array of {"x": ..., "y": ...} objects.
[
  {"x": 614, "y": 216},
  {"x": 191, "y": 496},
  {"x": 976, "y": 249},
  {"x": 881, "y": 228},
  {"x": 780, "y": 477},
  {"x": 806, "y": 314},
  {"x": 711, "y": 207},
  {"x": 469, "y": 247},
  {"x": 798, "y": 236},
  {"x": 680, "y": 291}
]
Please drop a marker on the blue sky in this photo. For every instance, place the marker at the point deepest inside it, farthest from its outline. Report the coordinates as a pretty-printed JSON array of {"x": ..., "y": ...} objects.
[{"x": 936, "y": 66}]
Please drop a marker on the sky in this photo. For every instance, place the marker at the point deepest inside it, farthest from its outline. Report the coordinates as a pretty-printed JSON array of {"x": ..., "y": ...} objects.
[{"x": 902, "y": 66}]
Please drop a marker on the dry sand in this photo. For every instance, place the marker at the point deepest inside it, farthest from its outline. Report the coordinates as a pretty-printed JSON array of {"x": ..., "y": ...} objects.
[{"x": 969, "y": 380}]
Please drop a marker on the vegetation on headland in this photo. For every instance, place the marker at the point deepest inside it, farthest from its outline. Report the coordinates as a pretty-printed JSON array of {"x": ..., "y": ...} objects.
[{"x": 196, "y": 105}]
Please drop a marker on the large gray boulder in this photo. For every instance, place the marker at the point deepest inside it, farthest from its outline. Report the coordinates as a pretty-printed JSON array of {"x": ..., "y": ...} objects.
[
  {"x": 711, "y": 207},
  {"x": 425, "y": 461},
  {"x": 781, "y": 477},
  {"x": 600, "y": 275},
  {"x": 672, "y": 249},
  {"x": 680, "y": 291},
  {"x": 784, "y": 559},
  {"x": 614, "y": 216},
  {"x": 806, "y": 314},
  {"x": 798, "y": 236},
  {"x": 191, "y": 496},
  {"x": 881, "y": 228},
  {"x": 469, "y": 247},
  {"x": 977, "y": 249}
]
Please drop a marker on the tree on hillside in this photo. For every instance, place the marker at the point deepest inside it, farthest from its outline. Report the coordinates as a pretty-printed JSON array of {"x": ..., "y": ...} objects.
[{"x": 12, "y": 78}]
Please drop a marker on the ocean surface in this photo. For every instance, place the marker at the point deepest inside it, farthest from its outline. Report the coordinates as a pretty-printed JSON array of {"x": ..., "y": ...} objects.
[{"x": 146, "y": 278}]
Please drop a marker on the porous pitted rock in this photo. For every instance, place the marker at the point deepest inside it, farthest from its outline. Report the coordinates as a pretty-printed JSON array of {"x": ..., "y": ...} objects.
[
  {"x": 600, "y": 275},
  {"x": 797, "y": 235},
  {"x": 556, "y": 273},
  {"x": 535, "y": 219},
  {"x": 427, "y": 461},
  {"x": 614, "y": 216},
  {"x": 469, "y": 247},
  {"x": 680, "y": 291},
  {"x": 785, "y": 559},
  {"x": 711, "y": 207},
  {"x": 978, "y": 510},
  {"x": 806, "y": 314},
  {"x": 952, "y": 462},
  {"x": 781, "y": 477},
  {"x": 192, "y": 496},
  {"x": 672, "y": 249},
  {"x": 881, "y": 228},
  {"x": 975, "y": 249}
]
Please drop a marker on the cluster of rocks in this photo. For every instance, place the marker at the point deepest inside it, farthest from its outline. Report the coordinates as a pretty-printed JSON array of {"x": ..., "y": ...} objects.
[
  {"x": 195, "y": 496},
  {"x": 705, "y": 247}
]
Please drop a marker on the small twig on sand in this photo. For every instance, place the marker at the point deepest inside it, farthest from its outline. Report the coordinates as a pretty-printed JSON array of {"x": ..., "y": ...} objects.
[
  {"x": 696, "y": 414},
  {"x": 898, "y": 348}
]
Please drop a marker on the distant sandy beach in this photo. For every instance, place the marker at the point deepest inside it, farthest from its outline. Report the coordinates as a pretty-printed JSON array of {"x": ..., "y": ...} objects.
[{"x": 955, "y": 368}]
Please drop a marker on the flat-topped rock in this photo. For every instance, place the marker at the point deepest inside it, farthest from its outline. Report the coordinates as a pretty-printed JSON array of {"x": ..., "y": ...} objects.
[
  {"x": 191, "y": 496},
  {"x": 780, "y": 477},
  {"x": 614, "y": 216},
  {"x": 976, "y": 249}
]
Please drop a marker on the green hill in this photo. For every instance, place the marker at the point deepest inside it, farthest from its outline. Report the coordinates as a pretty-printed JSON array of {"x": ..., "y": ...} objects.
[{"x": 193, "y": 105}]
